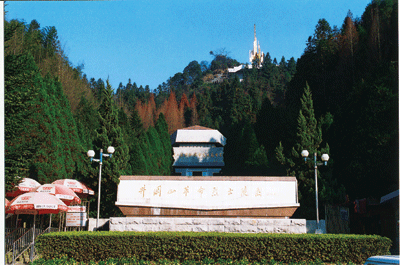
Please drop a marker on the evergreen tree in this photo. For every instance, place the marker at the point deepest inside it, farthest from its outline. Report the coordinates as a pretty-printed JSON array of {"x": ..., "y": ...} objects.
[
  {"x": 137, "y": 161},
  {"x": 156, "y": 151},
  {"x": 136, "y": 125},
  {"x": 162, "y": 129},
  {"x": 110, "y": 133},
  {"x": 22, "y": 83},
  {"x": 149, "y": 155},
  {"x": 86, "y": 121},
  {"x": 309, "y": 137}
]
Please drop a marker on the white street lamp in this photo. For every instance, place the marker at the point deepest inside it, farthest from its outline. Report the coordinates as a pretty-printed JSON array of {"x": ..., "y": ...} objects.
[
  {"x": 91, "y": 154},
  {"x": 325, "y": 158}
]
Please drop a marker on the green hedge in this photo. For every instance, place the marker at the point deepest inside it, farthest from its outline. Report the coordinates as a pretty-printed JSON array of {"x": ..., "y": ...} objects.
[
  {"x": 185, "y": 246},
  {"x": 133, "y": 261}
]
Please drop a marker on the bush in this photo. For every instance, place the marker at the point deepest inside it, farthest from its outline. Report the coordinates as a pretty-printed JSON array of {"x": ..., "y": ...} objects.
[
  {"x": 133, "y": 261},
  {"x": 185, "y": 246}
]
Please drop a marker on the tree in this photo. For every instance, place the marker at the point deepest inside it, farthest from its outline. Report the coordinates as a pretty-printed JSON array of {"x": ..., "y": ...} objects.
[
  {"x": 171, "y": 113},
  {"x": 309, "y": 136},
  {"x": 22, "y": 82},
  {"x": 137, "y": 160},
  {"x": 109, "y": 133},
  {"x": 194, "y": 119},
  {"x": 192, "y": 73},
  {"x": 185, "y": 111},
  {"x": 166, "y": 161}
]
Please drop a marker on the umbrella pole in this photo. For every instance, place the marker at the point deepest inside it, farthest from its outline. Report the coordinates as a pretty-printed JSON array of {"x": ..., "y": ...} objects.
[
  {"x": 59, "y": 223},
  {"x": 16, "y": 222},
  {"x": 33, "y": 237},
  {"x": 50, "y": 221}
]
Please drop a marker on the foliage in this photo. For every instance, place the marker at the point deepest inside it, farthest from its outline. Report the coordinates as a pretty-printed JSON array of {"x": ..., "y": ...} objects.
[
  {"x": 109, "y": 133},
  {"x": 186, "y": 246},
  {"x": 22, "y": 84},
  {"x": 134, "y": 261},
  {"x": 309, "y": 137},
  {"x": 52, "y": 109}
]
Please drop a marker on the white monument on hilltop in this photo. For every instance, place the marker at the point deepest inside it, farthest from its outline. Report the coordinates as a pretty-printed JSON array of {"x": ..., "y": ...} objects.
[{"x": 256, "y": 53}]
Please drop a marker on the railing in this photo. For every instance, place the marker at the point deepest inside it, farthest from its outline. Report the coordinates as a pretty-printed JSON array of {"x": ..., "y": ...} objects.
[
  {"x": 25, "y": 242},
  {"x": 9, "y": 230},
  {"x": 21, "y": 244},
  {"x": 33, "y": 249},
  {"x": 13, "y": 236}
]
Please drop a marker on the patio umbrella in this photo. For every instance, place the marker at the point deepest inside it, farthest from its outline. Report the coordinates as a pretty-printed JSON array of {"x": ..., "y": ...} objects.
[
  {"x": 7, "y": 202},
  {"x": 36, "y": 203},
  {"x": 25, "y": 185},
  {"x": 60, "y": 191},
  {"x": 78, "y": 187}
]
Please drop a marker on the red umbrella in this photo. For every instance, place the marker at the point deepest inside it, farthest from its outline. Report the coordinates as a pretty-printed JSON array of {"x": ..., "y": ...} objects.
[
  {"x": 78, "y": 187},
  {"x": 7, "y": 203},
  {"x": 60, "y": 191},
  {"x": 36, "y": 203},
  {"x": 26, "y": 185}
]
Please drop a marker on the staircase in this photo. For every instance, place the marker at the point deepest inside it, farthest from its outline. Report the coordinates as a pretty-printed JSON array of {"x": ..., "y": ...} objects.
[{"x": 16, "y": 248}]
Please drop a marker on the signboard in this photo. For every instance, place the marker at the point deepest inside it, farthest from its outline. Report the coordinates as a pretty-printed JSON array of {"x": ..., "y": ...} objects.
[
  {"x": 76, "y": 216},
  {"x": 207, "y": 193}
]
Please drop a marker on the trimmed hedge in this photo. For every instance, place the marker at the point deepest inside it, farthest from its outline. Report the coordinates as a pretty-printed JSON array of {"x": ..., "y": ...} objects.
[
  {"x": 133, "y": 261},
  {"x": 186, "y": 246}
]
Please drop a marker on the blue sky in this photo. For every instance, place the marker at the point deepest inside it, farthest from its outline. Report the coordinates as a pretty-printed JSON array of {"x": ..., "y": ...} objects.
[{"x": 150, "y": 41}]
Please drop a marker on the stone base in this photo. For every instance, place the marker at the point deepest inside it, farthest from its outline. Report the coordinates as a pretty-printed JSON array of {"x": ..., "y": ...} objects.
[
  {"x": 233, "y": 225},
  {"x": 270, "y": 212}
]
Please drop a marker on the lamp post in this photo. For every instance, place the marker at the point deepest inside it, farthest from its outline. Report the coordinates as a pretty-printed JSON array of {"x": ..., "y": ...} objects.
[
  {"x": 324, "y": 158},
  {"x": 91, "y": 154}
]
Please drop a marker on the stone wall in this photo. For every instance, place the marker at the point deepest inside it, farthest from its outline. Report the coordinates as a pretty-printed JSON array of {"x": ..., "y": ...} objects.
[
  {"x": 92, "y": 223},
  {"x": 234, "y": 225}
]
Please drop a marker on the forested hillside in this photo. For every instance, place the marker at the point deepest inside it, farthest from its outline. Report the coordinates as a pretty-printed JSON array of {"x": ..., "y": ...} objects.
[{"x": 340, "y": 97}]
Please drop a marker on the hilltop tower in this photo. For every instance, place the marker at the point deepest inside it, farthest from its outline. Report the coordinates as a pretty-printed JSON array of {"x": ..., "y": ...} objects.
[{"x": 256, "y": 53}]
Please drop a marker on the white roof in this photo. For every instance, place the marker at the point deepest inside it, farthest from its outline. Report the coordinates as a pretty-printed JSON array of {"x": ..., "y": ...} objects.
[
  {"x": 235, "y": 69},
  {"x": 197, "y": 134},
  {"x": 389, "y": 196}
]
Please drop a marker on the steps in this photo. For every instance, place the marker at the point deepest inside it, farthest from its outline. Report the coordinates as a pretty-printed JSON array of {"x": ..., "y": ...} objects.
[{"x": 21, "y": 247}]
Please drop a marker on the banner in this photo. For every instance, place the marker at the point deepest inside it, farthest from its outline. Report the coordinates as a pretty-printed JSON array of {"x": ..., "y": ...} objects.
[
  {"x": 207, "y": 193},
  {"x": 76, "y": 216}
]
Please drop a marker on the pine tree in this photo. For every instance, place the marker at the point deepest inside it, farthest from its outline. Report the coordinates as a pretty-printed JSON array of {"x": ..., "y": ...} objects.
[
  {"x": 149, "y": 155},
  {"x": 135, "y": 125},
  {"x": 309, "y": 136},
  {"x": 162, "y": 129},
  {"x": 137, "y": 162},
  {"x": 22, "y": 82},
  {"x": 156, "y": 150},
  {"x": 109, "y": 133}
]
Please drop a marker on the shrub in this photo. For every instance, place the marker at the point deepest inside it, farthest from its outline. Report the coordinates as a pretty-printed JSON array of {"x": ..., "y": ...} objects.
[{"x": 185, "y": 246}]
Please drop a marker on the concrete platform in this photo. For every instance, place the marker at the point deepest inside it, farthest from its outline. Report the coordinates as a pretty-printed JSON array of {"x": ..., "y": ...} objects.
[{"x": 190, "y": 224}]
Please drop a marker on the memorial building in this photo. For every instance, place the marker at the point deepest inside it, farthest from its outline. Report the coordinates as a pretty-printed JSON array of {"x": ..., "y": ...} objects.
[
  {"x": 198, "y": 151},
  {"x": 198, "y": 200}
]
